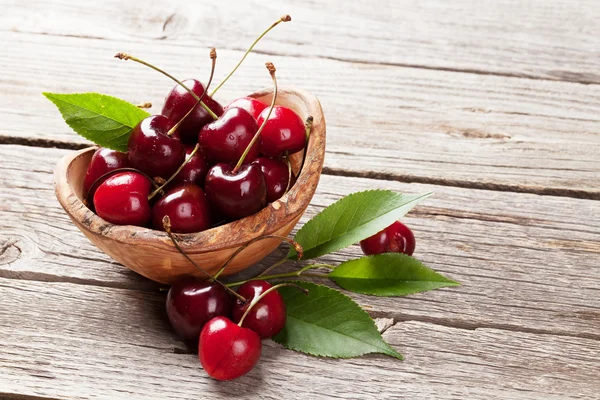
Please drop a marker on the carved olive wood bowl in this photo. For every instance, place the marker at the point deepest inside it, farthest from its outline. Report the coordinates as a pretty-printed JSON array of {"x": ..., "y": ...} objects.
[{"x": 152, "y": 254}]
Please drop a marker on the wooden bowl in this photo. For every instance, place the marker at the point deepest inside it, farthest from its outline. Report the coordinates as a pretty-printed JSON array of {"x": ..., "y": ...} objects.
[{"x": 152, "y": 254}]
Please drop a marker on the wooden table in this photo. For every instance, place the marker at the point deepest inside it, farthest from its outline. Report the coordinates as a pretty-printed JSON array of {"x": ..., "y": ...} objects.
[{"x": 494, "y": 105}]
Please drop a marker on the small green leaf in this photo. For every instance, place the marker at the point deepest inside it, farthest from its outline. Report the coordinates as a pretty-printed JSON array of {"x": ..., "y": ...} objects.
[
  {"x": 352, "y": 219},
  {"x": 328, "y": 323},
  {"x": 388, "y": 274},
  {"x": 105, "y": 120}
]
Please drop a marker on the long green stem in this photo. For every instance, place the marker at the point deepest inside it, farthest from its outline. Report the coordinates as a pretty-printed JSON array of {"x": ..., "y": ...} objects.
[
  {"x": 175, "y": 174},
  {"x": 266, "y": 292},
  {"x": 125, "y": 56},
  {"x": 285, "y": 18},
  {"x": 292, "y": 274}
]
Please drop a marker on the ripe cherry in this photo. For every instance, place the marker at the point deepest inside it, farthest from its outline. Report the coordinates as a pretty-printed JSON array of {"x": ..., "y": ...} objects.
[
  {"x": 104, "y": 160},
  {"x": 267, "y": 317},
  {"x": 236, "y": 194},
  {"x": 277, "y": 176},
  {"x": 152, "y": 150},
  {"x": 396, "y": 238},
  {"x": 123, "y": 199},
  {"x": 226, "y": 350},
  {"x": 179, "y": 101},
  {"x": 225, "y": 139},
  {"x": 253, "y": 106},
  {"x": 283, "y": 132},
  {"x": 191, "y": 303},
  {"x": 194, "y": 171},
  {"x": 186, "y": 207}
]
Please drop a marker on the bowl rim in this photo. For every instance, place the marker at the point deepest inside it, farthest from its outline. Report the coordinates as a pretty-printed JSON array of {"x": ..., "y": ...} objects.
[{"x": 233, "y": 234}]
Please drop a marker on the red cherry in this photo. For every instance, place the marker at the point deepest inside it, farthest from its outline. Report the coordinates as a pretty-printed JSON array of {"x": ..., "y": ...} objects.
[
  {"x": 267, "y": 317},
  {"x": 122, "y": 199},
  {"x": 179, "y": 102},
  {"x": 103, "y": 161},
  {"x": 396, "y": 238},
  {"x": 225, "y": 139},
  {"x": 283, "y": 132},
  {"x": 276, "y": 175},
  {"x": 236, "y": 195},
  {"x": 191, "y": 303},
  {"x": 194, "y": 171},
  {"x": 226, "y": 350},
  {"x": 253, "y": 106},
  {"x": 186, "y": 207},
  {"x": 151, "y": 150}
]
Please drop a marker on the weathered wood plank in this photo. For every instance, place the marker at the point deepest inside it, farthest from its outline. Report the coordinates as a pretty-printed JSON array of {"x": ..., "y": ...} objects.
[
  {"x": 526, "y": 262},
  {"x": 540, "y": 39},
  {"x": 383, "y": 121},
  {"x": 117, "y": 342}
]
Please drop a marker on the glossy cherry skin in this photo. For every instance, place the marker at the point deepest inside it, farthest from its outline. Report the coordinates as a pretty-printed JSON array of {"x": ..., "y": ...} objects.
[
  {"x": 276, "y": 174},
  {"x": 283, "y": 132},
  {"x": 186, "y": 206},
  {"x": 396, "y": 238},
  {"x": 225, "y": 139},
  {"x": 179, "y": 101},
  {"x": 236, "y": 195},
  {"x": 151, "y": 150},
  {"x": 122, "y": 199},
  {"x": 191, "y": 303},
  {"x": 253, "y": 106},
  {"x": 226, "y": 350},
  {"x": 103, "y": 161},
  {"x": 267, "y": 317},
  {"x": 194, "y": 171}
]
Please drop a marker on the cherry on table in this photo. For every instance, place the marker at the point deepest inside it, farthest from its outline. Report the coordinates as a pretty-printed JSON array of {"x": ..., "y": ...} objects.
[
  {"x": 277, "y": 175},
  {"x": 103, "y": 161},
  {"x": 187, "y": 208},
  {"x": 191, "y": 303},
  {"x": 396, "y": 238},
  {"x": 267, "y": 317},
  {"x": 236, "y": 194},
  {"x": 194, "y": 171},
  {"x": 226, "y": 350},
  {"x": 253, "y": 106},
  {"x": 283, "y": 132},
  {"x": 151, "y": 150},
  {"x": 122, "y": 199}
]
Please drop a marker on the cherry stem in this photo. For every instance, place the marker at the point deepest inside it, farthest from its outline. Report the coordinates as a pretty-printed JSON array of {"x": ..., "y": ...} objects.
[
  {"x": 213, "y": 57},
  {"x": 289, "y": 164},
  {"x": 285, "y": 18},
  {"x": 125, "y": 56},
  {"x": 291, "y": 242},
  {"x": 160, "y": 188},
  {"x": 272, "y": 70},
  {"x": 144, "y": 105},
  {"x": 266, "y": 292},
  {"x": 308, "y": 128},
  {"x": 292, "y": 274},
  {"x": 166, "y": 221},
  {"x": 116, "y": 171}
]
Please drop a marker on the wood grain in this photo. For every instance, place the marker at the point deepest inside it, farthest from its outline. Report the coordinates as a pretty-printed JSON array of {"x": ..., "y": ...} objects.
[
  {"x": 540, "y": 39},
  {"x": 526, "y": 262},
  {"x": 109, "y": 341}
]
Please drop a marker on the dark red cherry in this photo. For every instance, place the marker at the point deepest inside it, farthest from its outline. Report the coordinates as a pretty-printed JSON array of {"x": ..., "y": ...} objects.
[
  {"x": 267, "y": 317},
  {"x": 276, "y": 175},
  {"x": 226, "y": 350},
  {"x": 179, "y": 101},
  {"x": 396, "y": 238},
  {"x": 283, "y": 132},
  {"x": 104, "y": 160},
  {"x": 187, "y": 208},
  {"x": 236, "y": 195},
  {"x": 122, "y": 199},
  {"x": 253, "y": 106},
  {"x": 191, "y": 303},
  {"x": 194, "y": 171},
  {"x": 151, "y": 150},
  {"x": 225, "y": 139}
]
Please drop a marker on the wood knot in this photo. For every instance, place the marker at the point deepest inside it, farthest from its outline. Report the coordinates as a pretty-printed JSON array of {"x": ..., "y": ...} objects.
[{"x": 9, "y": 251}]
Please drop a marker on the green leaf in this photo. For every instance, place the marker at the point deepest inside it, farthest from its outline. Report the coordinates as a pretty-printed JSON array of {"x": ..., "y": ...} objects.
[
  {"x": 388, "y": 274},
  {"x": 105, "y": 120},
  {"x": 352, "y": 219},
  {"x": 328, "y": 323}
]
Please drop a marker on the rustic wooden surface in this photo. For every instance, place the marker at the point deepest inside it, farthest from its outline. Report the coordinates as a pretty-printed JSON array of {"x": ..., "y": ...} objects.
[{"x": 492, "y": 105}]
